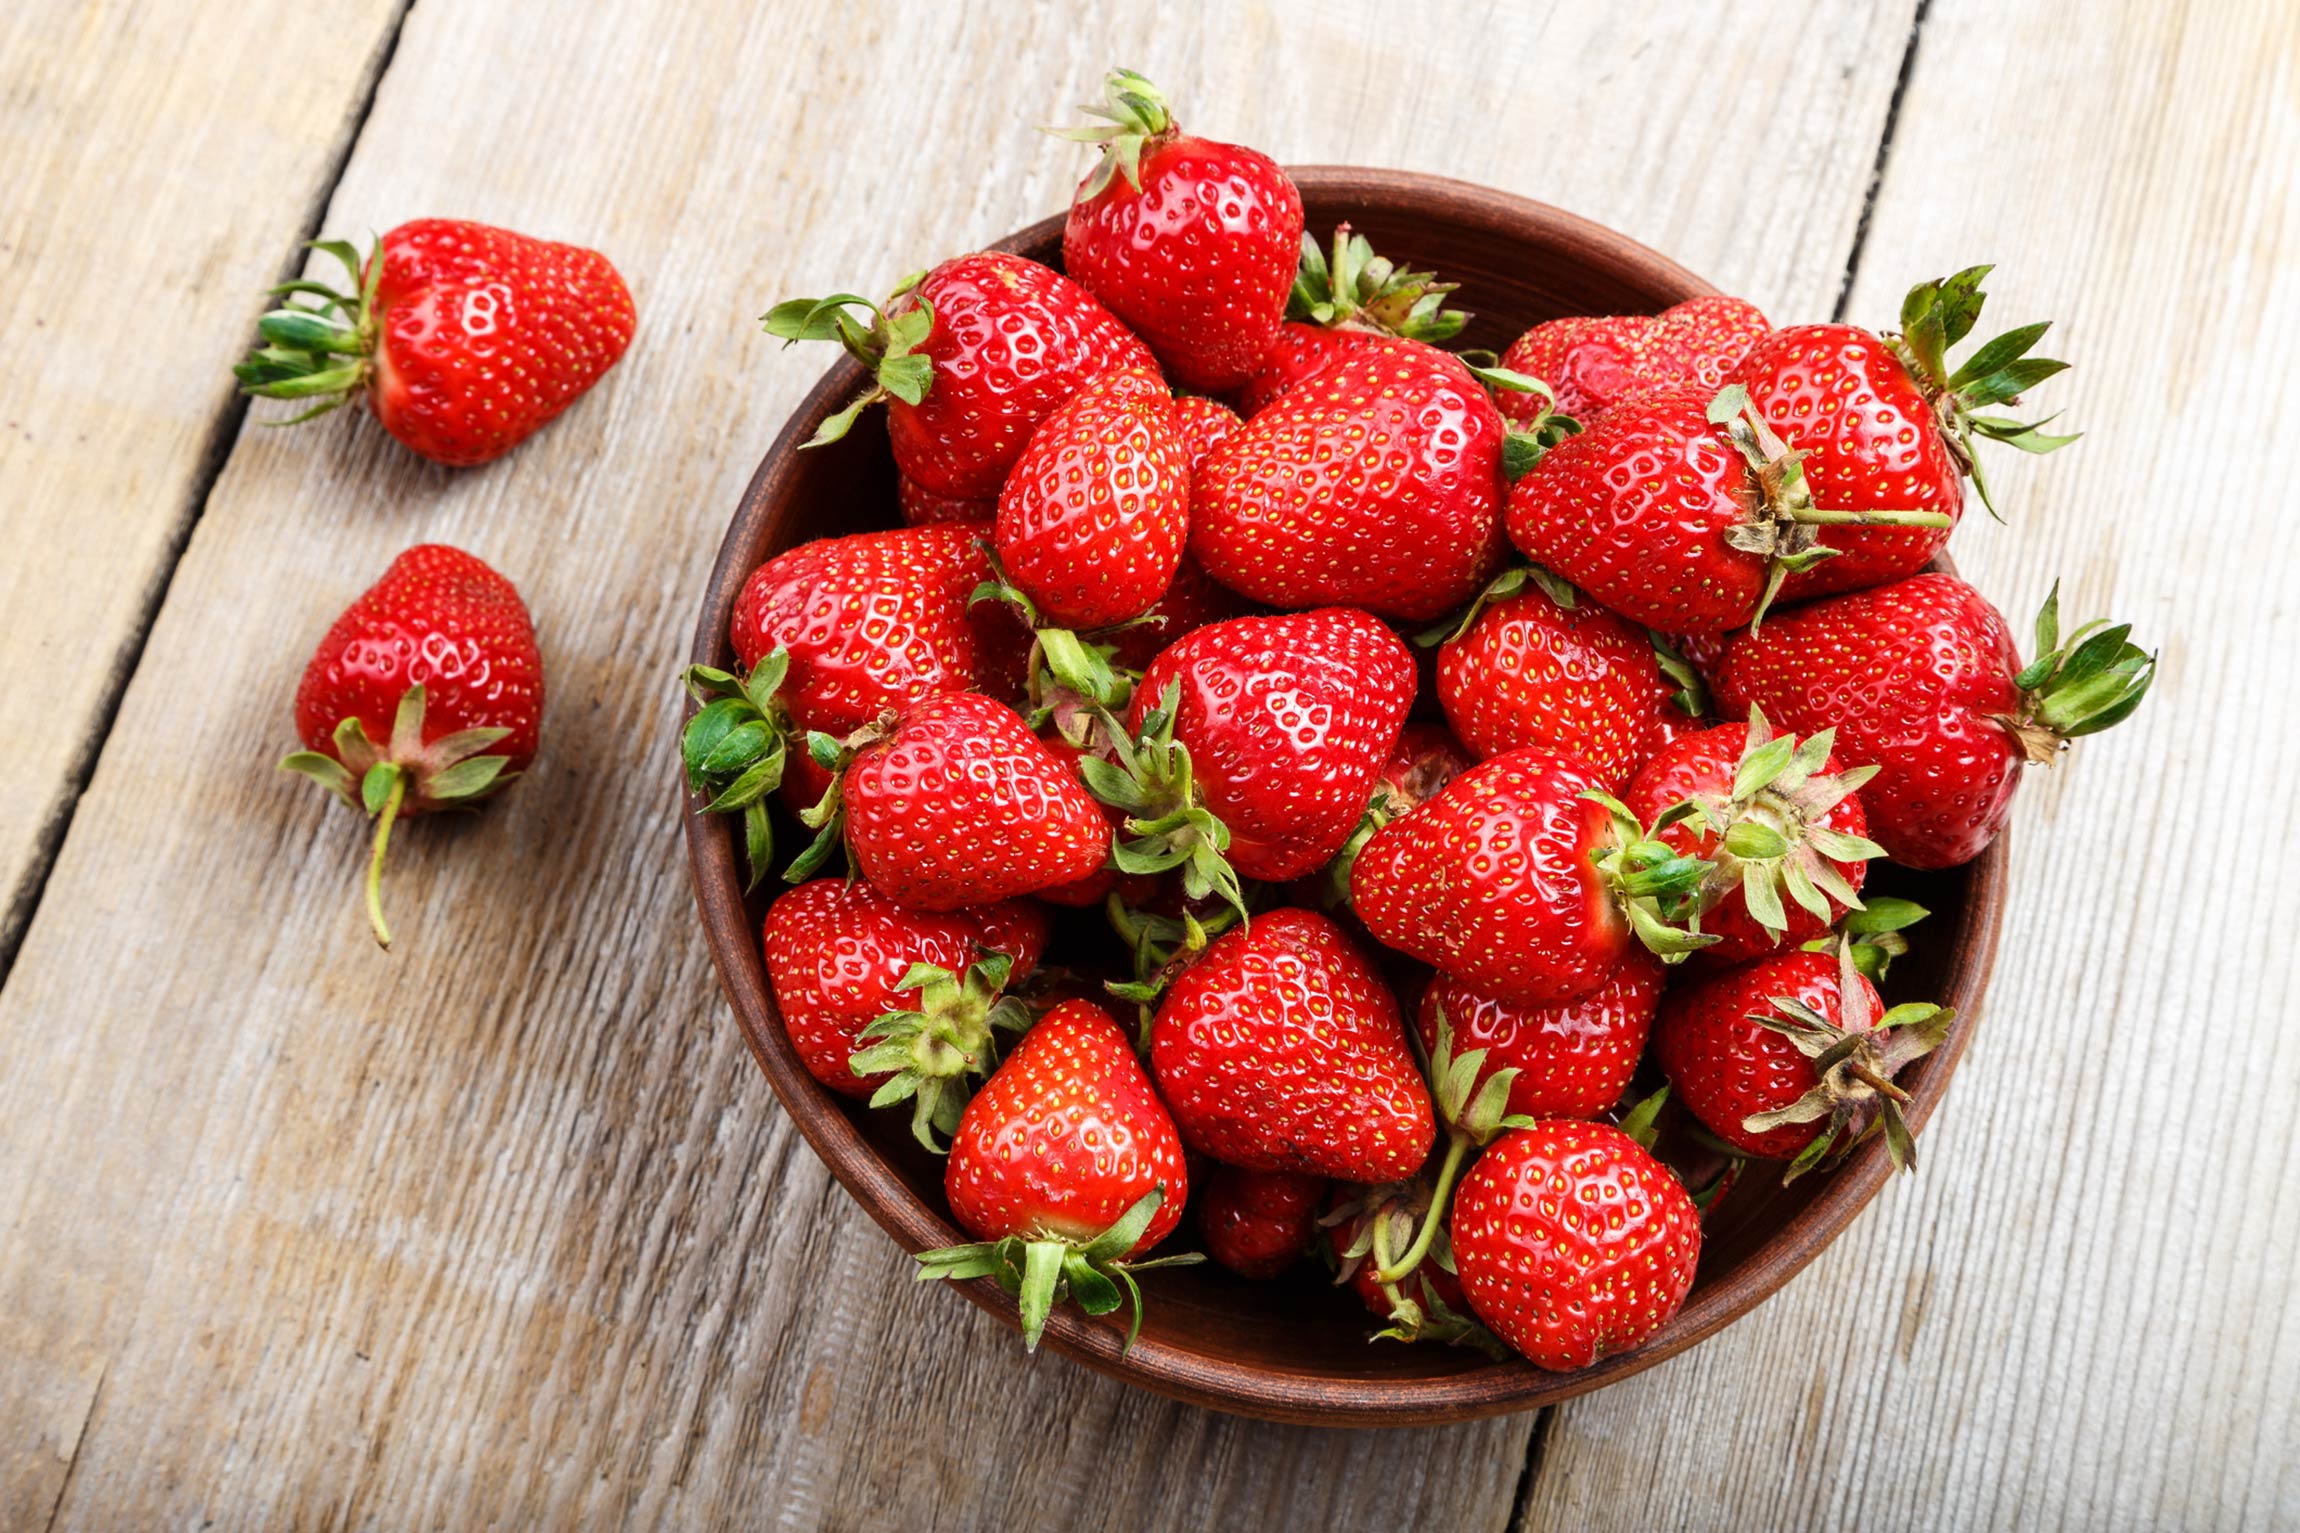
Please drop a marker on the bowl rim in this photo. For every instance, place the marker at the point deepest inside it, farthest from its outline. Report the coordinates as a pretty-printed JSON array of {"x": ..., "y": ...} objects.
[{"x": 1258, "y": 1390}]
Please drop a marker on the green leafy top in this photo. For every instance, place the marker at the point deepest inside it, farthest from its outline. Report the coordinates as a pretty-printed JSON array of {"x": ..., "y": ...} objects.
[
  {"x": 936, "y": 1048},
  {"x": 2080, "y": 687},
  {"x": 1657, "y": 886},
  {"x": 1167, "y": 822},
  {"x": 887, "y": 347},
  {"x": 735, "y": 746},
  {"x": 1039, "y": 1273},
  {"x": 321, "y": 349},
  {"x": 1133, "y": 112},
  {"x": 1358, "y": 290},
  {"x": 1768, "y": 831},
  {"x": 1936, "y": 316}
]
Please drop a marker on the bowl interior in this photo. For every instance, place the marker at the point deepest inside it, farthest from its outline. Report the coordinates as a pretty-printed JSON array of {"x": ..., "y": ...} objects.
[{"x": 1296, "y": 1348}]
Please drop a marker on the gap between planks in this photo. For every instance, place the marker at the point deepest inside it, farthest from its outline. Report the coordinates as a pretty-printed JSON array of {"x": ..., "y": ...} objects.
[{"x": 23, "y": 903}]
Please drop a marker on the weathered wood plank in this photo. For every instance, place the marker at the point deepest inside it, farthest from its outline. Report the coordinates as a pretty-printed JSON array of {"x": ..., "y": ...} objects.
[
  {"x": 2082, "y": 1313},
  {"x": 148, "y": 205},
  {"x": 504, "y": 1226}
]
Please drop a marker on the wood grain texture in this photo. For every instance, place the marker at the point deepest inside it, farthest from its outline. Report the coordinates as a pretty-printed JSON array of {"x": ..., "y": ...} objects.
[
  {"x": 2085, "y": 1311},
  {"x": 504, "y": 1226},
  {"x": 147, "y": 207}
]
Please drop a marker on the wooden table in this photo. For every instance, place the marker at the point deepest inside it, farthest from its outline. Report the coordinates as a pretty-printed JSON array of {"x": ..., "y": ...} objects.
[{"x": 505, "y": 1229}]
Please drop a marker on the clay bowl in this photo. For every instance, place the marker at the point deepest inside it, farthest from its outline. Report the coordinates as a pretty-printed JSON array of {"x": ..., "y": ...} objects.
[{"x": 1296, "y": 1349}]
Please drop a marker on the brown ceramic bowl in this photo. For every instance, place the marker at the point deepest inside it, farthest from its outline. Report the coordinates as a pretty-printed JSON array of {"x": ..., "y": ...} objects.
[{"x": 1296, "y": 1349}]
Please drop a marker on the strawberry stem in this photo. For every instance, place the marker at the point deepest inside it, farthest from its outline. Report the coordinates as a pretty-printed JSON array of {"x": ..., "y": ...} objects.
[
  {"x": 1441, "y": 1197},
  {"x": 389, "y": 815}
]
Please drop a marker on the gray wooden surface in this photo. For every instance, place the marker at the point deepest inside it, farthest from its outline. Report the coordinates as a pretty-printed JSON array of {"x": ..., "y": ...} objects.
[{"x": 505, "y": 1228}]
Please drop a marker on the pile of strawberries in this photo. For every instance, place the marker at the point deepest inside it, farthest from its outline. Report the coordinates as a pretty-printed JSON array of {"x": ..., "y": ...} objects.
[{"x": 1282, "y": 760}]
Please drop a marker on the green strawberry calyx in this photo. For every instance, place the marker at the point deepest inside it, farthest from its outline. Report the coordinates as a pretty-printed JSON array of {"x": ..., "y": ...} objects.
[
  {"x": 1382, "y": 1220},
  {"x": 887, "y": 347},
  {"x": 1501, "y": 588},
  {"x": 1783, "y": 525},
  {"x": 1769, "y": 839},
  {"x": 1873, "y": 933},
  {"x": 1475, "y": 1113},
  {"x": 936, "y": 1050},
  {"x": 1937, "y": 315},
  {"x": 1065, "y": 668},
  {"x": 1135, "y": 114},
  {"x": 1161, "y": 946},
  {"x": 1167, "y": 822},
  {"x": 1358, "y": 290},
  {"x": 1691, "y": 696},
  {"x": 1854, "y": 1061},
  {"x": 1657, "y": 887},
  {"x": 2094, "y": 679},
  {"x": 734, "y": 748},
  {"x": 322, "y": 348},
  {"x": 406, "y": 773},
  {"x": 1040, "y": 1271}
]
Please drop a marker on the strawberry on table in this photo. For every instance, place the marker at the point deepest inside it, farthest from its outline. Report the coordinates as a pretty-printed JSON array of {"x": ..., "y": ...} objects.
[
  {"x": 898, "y": 1005},
  {"x": 1573, "y": 1059},
  {"x": 1259, "y": 1223},
  {"x": 464, "y": 339},
  {"x": 1280, "y": 1049},
  {"x": 1781, "y": 825},
  {"x": 1593, "y": 363},
  {"x": 1573, "y": 1243},
  {"x": 1067, "y": 1169},
  {"x": 1253, "y": 744},
  {"x": 968, "y": 359},
  {"x": 1190, "y": 242},
  {"x": 1524, "y": 878},
  {"x": 1742, "y": 1051},
  {"x": 1375, "y": 483},
  {"x": 1886, "y": 424},
  {"x": 426, "y": 694},
  {"x": 1342, "y": 303},
  {"x": 1922, "y": 680}
]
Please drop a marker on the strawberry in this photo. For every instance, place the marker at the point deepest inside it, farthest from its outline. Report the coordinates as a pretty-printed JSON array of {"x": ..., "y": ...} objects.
[
  {"x": 968, "y": 359},
  {"x": 1258, "y": 738},
  {"x": 1787, "y": 1058},
  {"x": 1374, "y": 483},
  {"x": 1365, "y": 1227},
  {"x": 1524, "y": 879},
  {"x": 1259, "y": 1223},
  {"x": 1680, "y": 510},
  {"x": 1424, "y": 760},
  {"x": 1193, "y": 600},
  {"x": 831, "y": 636},
  {"x": 426, "y": 694},
  {"x": 954, "y": 804},
  {"x": 1523, "y": 669},
  {"x": 1339, "y": 304},
  {"x": 1280, "y": 1049},
  {"x": 1092, "y": 518},
  {"x": 921, "y": 507},
  {"x": 891, "y": 1004},
  {"x": 1884, "y": 424},
  {"x": 1573, "y": 1058},
  {"x": 1573, "y": 1243},
  {"x": 1203, "y": 424},
  {"x": 465, "y": 340},
  {"x": 1921, "y": 679},
  {"x": 1189, "y": 241},
  {"x": 1592, "y": 364},
  {"x": 1777, "y": 816},
  {"x": 1066, "y": 1168}
]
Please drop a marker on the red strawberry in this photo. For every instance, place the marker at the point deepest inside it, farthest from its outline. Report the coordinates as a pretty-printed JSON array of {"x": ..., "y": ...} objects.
[
  {"x": 1281, "y": 1050},
  {"x": 856, "y": 976},
  {"x": 831, "y": 636},
  {"x": 1573, "y": 1243},
  {"x": 1741, "y": 1048},
  {"x": 1066, "y": 1167},
  {"x": 1337, "y": 305},
  {"x": 922, "y": 507},
  {"x": 1424, "y": 760},
  {"x": 1523, "y": 670},
  {"x": 1203, "y": 424},
  {"x": 1092, "y": 518},
  {"x": 1374, "y": 483},
  {"x": 1592, "y": 364},
  {"x": 1260, "y": 738},
  {"x": 1259, "y": 1223},
  {"x": 957, "y": 804},
  {"x": 1191, "y": 242},
  {"x": 432, "y": 666},
  {"x": 1573, "y": 1058},
  {"x": 969, "y": 359},
  {"x": 1523, "y": 879},
  {"x": 464, "y": 339},
  {"x": 1778, "y": 816},
  {"x": 1679, "y": 511},
  {"x": 1921, "y": 679},
  {"x": 1369, "y": 1225},
  {"x": 1884, "y": 424}
]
